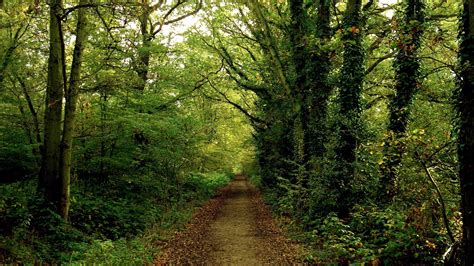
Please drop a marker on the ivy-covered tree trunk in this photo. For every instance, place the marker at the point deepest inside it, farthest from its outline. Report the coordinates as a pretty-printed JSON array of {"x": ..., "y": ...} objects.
[
  {"x": 299, "y": 91},
  {"x": 319, "y": 90},
  {"x": 70, "y": 110},
  {"x": 406, "y": 65},
  {"x": 49, "y": 179},
  {"x": 276, "y": 145},
  {"x": 281, "y": 109},
  {"x": 465, "y": 105},
  {"x": 352, "y": 75}
]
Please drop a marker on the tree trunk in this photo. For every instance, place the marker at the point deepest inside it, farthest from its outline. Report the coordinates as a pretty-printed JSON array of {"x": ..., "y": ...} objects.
[
  {"x": 406, "y": 65},
  {"x": 70, "y": 110},
  {"x": 144, "y": 53},
  {"x": 319, "y": 90},
  {"x": 465, "y": 107},
  {"x": 352, "y": 75},
  {"x": 297, "y": 38},
  {"x": 49, "y": 182}
]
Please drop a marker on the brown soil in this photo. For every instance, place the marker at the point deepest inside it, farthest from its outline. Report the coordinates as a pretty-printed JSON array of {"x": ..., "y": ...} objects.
[{"x": 235, "y": 228}]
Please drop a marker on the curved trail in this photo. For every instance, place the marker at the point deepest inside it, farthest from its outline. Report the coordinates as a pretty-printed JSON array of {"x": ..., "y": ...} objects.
[{"x": 235, "y": 228}]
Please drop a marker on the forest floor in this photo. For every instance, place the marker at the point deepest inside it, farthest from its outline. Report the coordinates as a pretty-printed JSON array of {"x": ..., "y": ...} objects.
[{"x": 234, "y": 228}]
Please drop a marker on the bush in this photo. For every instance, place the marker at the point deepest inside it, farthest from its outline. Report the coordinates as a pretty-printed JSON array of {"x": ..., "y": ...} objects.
[
  {"x": 14, "y": 211},
  {"x": 371, "y": 234},
  {"x": 108, "y": 219},
  {"x": 133, "y": 252}
]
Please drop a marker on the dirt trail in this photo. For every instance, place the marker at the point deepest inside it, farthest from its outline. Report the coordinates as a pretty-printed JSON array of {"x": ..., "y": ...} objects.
[
  {"x": 236, "y": 228},
  {"x": 233, "y": 232}
]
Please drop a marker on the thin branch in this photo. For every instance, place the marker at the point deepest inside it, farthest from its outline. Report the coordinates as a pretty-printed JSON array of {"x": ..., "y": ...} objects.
[
  {"x": 198, "y": 7},
  {"x": 199, "y": 84},
  {"x": 452, "y": 67},
  {"x": 447, "y": 144},
  {"x": 68, "y": 11},
  {"x": 378, "y": 61},
  {"x": 237, "y": 106},
  {"x": 164, "y": 20},
  {"x": 440, "y": 196}
]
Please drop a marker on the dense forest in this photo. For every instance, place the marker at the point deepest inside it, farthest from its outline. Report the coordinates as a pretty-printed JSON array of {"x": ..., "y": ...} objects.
[{"x": 354, "y": 118}]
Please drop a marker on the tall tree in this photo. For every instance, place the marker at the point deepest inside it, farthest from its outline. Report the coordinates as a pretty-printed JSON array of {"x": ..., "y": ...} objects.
[
  {"x": 406, "y": 65},
  {"x": 319, "y": 89},
  {"x": 352, "y": 76},
  {"x": 297, "y": 38},
  {"x": 58, "y": 135},
  {"x": 71, "y": 96},
  {"x": 465, "y": 105},
  {"x": 280, "y": 109},
  {"x": 49, "y": 181}
]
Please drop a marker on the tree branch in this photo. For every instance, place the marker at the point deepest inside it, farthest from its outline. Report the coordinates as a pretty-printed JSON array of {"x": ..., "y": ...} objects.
[
  {"x": 440, "y": 196},
  {"x": 254, "y": 119},
  {"x": 164, "y": 20},
  {"x": 68, "y": 11},
  {"x": 378, "y": 61}
]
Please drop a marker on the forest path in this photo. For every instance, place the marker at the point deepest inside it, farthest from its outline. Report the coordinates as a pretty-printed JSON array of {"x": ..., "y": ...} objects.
[{"x": 235, "y": 228}]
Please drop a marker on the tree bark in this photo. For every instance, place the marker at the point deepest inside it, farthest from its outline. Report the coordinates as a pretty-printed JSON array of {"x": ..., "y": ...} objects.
[
  {"x": 406, "y": 65},
  {"x": 352, "y": 75},
  {"x": 315, "y": 105},
  {"x": 297, "y": 39},
  {"x": 70, "y": 110},
  {"x": 49, "y": 182},
  {"x": 144, "y": 53},
  {"x": 465, "y": 105}
]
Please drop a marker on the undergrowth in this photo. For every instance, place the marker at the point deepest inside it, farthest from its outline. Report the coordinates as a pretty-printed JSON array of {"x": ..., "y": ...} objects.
[
  {"x": 371, "y": 234},
  {"x": 121, "y": 220}
]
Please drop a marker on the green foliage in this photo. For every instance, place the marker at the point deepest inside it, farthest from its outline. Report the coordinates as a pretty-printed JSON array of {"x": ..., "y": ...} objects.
[
  {"x": 339, "y": 241},
  {"x": 133, "y": 252},
  {"x": 107, "y": 223},
  {"x": 108, "y": 219},
  {"x": 16, "y": 158},
  {"x": 385, "y": 235}
]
